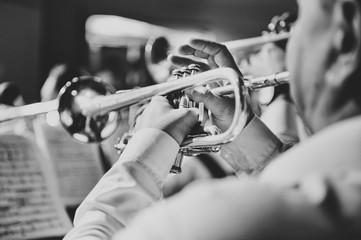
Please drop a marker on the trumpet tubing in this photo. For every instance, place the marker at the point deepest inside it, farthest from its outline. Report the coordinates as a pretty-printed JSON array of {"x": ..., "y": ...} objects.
[
  {"x": 272, "y": 80},
  {"x": 255, "y": 42},
  {"x": 126, "y": 98}
]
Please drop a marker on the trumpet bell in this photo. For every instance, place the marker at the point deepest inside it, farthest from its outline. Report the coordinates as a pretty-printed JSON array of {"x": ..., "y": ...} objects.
[
  {"x": 155, "y": 55},
  {"x": 72, "y": 99}
]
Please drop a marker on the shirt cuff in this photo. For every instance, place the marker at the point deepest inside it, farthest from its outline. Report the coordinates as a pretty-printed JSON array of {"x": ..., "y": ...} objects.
[
  {"x": 251, "y": 151},
  {"x": 154, "y": 150}
]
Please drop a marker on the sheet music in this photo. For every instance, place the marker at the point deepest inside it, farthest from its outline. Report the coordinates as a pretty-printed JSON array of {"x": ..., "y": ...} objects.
[
  {"x": 77, "y": 166},
  {"x": 29, "y": 201}
]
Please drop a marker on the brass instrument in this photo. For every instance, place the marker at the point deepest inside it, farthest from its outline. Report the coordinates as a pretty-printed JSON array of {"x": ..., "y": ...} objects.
[
  {"x": 86, "y": 104},
  {"x": 89, "y": 97},
  {"x": 102, "y": 105},
  {"x": 177, "y": 101},
  {"x": 88, "y": 108},
  {"x": 272, "y": 80}
]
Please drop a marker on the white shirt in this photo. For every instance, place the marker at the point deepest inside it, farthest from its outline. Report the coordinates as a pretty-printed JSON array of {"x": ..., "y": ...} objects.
[{"x": 311, "y": 192}]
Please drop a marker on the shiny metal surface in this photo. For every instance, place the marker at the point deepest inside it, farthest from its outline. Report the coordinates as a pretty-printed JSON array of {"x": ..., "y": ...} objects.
[
  {"x": 72, "y": 99},
  {"x": 89, "y": 108}
]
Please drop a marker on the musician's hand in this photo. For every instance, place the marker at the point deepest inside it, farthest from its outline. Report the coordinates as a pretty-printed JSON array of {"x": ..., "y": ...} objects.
[
  {"x": 216, "y": 55},
  {"x": 159, "y": 114},
  {"x": 222, "y": 107}
]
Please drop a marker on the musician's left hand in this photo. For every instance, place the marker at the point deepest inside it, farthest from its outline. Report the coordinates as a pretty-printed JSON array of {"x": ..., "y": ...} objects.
[{"x": 216, "y": 56}]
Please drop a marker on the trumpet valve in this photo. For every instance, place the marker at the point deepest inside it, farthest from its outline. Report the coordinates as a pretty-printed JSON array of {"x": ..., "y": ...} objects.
[
  {"x": 208, "y": 130},
  {"x": 194, "y": 68},
  {"x": 177, "y": 73}
]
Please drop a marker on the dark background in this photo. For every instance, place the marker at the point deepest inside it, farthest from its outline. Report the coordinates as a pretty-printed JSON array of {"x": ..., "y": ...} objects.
[{"x": 36, "y": 34}]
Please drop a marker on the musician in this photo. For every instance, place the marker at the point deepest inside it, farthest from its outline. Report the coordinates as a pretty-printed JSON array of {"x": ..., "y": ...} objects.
[{"x": 310, "y": 192}]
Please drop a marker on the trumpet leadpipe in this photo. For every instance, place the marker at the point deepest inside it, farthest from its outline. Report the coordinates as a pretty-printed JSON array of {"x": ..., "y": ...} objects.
[{"x": 272, "y": 80}]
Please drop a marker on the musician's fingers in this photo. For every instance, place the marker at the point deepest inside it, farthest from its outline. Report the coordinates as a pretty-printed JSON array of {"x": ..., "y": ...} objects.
[
  {"x": 217, "y": 54},
  {"x": 208, "y": 47},
  {"x": 202, "y": 94},
  {"x": 189, "y": 50}
]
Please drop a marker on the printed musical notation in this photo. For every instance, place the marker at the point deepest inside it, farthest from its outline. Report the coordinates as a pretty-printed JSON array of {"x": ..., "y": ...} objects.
[
  {"x": 77, "y": 166},
  {"x": 29, "y": 201}
]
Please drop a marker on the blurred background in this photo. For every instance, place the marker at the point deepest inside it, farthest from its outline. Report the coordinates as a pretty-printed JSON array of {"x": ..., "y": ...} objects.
[
  {"x": 112, "y": 34},
  {"x": 46, "y": 43}
]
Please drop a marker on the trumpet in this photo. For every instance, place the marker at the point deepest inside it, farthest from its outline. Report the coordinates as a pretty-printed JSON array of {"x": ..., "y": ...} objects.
[
  {"x": 103, "y": 105},
  {"x": 87, "y": 105},
  {"x": 88, "y": 108},
  {"x": 179, "y": 100}
]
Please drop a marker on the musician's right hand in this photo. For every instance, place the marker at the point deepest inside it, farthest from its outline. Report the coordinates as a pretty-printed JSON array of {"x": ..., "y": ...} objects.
[
  {"x": 159, "y": 114},
  {"x": 217, "y": 56}
]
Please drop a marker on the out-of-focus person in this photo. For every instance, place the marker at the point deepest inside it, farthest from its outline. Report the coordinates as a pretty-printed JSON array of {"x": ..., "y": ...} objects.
[{"x": 310, "y": 192}]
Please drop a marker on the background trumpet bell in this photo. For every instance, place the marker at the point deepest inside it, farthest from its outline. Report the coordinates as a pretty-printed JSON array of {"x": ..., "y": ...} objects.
[
  {"x": 77, "y": 94},
  {"x": 156, "y": 52}
]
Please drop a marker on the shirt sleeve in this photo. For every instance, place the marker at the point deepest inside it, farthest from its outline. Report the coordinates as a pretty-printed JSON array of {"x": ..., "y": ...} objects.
[
  {"x": 282, "y": 119},
  {"x": 315, "y": 208},
  {"x": 253, "y": 149},
  {"x": 132, "y": 184}
]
